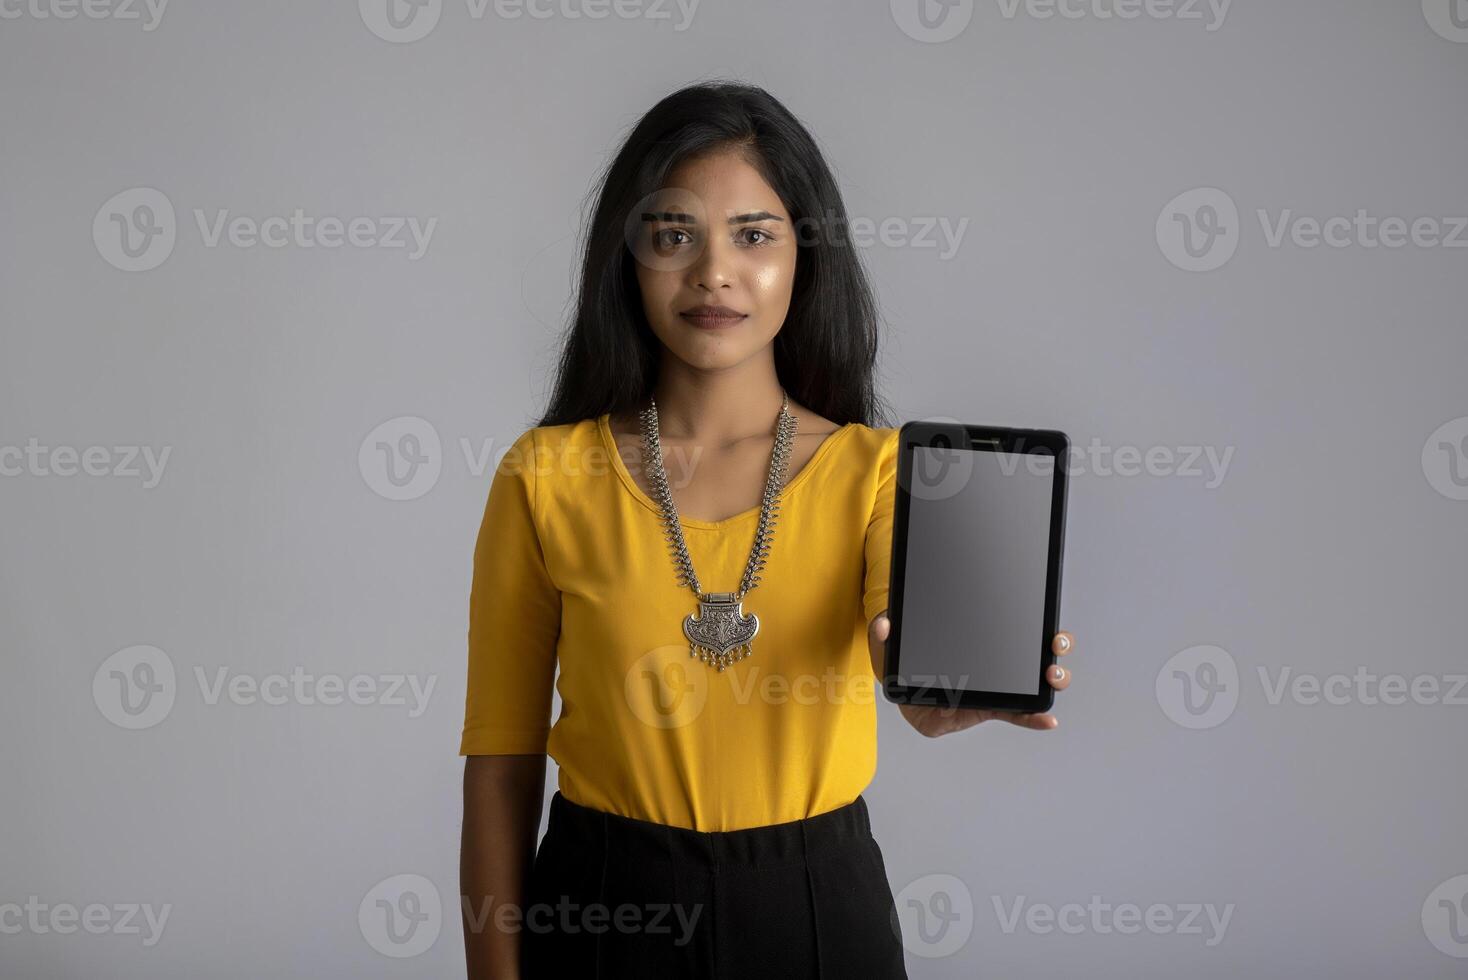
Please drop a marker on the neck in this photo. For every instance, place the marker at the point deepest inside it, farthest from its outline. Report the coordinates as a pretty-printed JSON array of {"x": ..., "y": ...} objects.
[{"x": 717, "y": 407}]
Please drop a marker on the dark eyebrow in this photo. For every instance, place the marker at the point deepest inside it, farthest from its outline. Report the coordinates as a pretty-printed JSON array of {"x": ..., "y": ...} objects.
[
  {"x": 684, "y": 218},
  {"x": 754, "y": 216}
]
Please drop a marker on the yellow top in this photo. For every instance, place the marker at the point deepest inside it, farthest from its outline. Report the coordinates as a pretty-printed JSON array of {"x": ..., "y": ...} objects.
[{"x": 573, "y": 565}]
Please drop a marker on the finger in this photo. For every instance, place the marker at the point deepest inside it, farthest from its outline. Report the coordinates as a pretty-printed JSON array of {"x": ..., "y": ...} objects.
[
  {"x": 1039, "y": 723},
  {"x": 1058, "y": 677},
  {"x": 880, "y": 626},
  {"x": 1063, "y": 643}
]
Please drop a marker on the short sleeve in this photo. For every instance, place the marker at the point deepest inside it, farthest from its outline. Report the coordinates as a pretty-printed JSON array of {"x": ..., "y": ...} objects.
[
  {"x": 879, "y": 530},
  {"x": 514, "y": 617}
]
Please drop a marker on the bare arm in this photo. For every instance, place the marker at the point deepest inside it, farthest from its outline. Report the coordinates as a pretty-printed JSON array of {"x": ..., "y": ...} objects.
[{"x": 502, "y": 801}]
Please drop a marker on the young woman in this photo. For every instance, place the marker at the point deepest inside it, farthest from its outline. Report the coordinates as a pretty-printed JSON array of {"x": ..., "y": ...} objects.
[{"x": 698, "y": 532}]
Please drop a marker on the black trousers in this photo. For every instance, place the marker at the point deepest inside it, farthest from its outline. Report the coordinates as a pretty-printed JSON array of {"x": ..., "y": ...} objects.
[{"x": 610, "y": 896}]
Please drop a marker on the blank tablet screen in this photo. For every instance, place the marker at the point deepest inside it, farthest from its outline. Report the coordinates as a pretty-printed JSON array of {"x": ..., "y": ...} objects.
[{"x": 973, "y": 601}]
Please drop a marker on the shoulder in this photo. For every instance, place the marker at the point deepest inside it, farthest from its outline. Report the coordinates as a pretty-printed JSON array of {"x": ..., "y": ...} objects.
[
  {"x": 872, "y": 453},
  {"x": 544, "y": 453},
  {"x": 876, "y": 442}
]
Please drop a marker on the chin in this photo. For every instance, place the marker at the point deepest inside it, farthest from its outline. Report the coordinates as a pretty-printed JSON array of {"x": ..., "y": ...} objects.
[
  {"x": 711, "y": 357},
  {"x": 710, "y": 348}
]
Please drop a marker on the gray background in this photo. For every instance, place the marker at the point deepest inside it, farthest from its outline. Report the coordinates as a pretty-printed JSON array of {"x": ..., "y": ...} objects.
[{"x": 268, "y": 545}]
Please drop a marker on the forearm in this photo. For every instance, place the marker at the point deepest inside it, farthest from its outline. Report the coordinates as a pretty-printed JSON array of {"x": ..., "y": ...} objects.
[{"x": 502, "y": 802}]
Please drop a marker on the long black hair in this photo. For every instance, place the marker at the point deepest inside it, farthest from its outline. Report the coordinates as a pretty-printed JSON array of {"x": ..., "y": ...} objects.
[{"x": 826, "y": 351}]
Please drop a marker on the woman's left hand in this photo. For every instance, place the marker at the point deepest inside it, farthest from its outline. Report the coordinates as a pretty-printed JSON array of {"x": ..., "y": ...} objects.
[{"x": 935, "y": 720}]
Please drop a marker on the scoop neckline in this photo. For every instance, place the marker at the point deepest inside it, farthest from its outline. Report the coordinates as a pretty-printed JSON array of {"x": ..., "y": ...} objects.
[{"x": 609, "y": 441}]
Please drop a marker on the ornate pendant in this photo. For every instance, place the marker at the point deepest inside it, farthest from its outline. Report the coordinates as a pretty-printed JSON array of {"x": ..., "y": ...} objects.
[{"x": 719, "y": 634}]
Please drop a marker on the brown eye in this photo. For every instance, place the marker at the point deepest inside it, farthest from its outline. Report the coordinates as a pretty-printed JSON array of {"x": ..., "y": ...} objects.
[
  {"x": 667, "y": 240},
  {"x": 765, "y": 237}
]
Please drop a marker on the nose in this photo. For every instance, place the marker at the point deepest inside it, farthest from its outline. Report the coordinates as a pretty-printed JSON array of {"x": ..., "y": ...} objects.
[{"x": 714, "y": 267}]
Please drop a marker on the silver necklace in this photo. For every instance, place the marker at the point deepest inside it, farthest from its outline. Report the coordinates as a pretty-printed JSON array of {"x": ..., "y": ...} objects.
[{"x": 719, "y": 634}]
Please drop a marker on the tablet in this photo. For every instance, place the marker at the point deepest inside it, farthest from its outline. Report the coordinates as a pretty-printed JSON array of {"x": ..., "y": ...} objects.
[{"x": 977, "y": 549}]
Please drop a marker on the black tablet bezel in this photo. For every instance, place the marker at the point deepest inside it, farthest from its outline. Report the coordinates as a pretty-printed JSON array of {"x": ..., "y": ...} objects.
[{"x": 982, "y": 438}]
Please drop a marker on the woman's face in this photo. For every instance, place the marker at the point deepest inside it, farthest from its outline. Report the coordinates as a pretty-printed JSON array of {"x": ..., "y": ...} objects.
[{"x": 715, "y": 236}]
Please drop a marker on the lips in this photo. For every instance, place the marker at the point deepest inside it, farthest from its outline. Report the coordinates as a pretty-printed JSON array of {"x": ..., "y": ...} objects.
[{"x": 712, "y": 316}]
